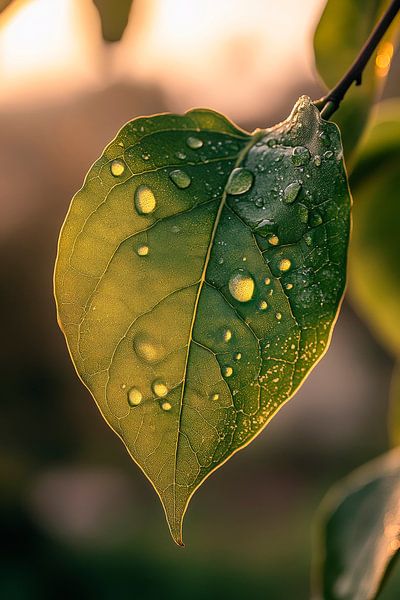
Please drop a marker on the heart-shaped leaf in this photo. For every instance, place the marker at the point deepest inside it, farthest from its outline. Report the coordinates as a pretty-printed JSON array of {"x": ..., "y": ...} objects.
[
  {"x": 199, "y": 274},
  {"x": 359, "y": 531}
]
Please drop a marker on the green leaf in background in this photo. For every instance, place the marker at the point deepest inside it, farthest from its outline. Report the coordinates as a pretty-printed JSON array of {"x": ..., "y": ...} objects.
[
  {"x": 199, "y": 274},
  {"x": 340, "y": 34},
  {"x": 359, "y": 531},
  {"x": 114, "y": 16},
  {"x": 394, "y": 411},
  {"x": 374, "y": 267}
]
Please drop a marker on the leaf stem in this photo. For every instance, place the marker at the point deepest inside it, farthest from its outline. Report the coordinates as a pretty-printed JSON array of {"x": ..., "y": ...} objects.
[{"x": 331, "y": 102}]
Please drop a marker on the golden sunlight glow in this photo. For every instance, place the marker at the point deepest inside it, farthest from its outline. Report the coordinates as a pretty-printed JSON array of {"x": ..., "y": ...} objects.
[
  {"x": 383, "y": 59},
  {"x": 41, "y": 40}
]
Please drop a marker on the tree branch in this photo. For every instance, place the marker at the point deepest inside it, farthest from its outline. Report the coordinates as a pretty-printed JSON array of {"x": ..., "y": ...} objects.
[{"x": 331, "y": 102}]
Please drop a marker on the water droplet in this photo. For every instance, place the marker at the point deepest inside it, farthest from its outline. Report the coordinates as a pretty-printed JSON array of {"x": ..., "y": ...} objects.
[
  {"x": 214, "y": 397},
  {"x": 259, "y": 202},
  {"x": 227, "y": 335},
  {"x": 289, "y": 286},
  {"x": 303, "y": 214},
  {"x": 134, "y": 397},
  {"x": 227, "y": 371},
  {"x": 166, "y": 406},
  {"x": 145, "y": 201},
  {"x": 291, "y": 192},
  {"x": 285, "y": 264},
  {"x": 180, "y": 178},
  {"x": 142, "y": 250},
  {"x": 263, "y": 305},
  {"x": 272, "y": 142},
  {"x": 240, "y": 181},
  {"x": 117, "y": 167},
  {"x": 317, "y": 160},
  {"x": 241, "y": 286},
  {"x": 194, "y": 143},
  {"x": 278, "y": 316},
  {"x": 308, "y": 239},
  {"x": 221, "y": 261},
  {"x": 273, "y": 240},
  {"x": 181, "y": 155},
  {"x": 147, "y": 348},
  {"x": 315, "y": 219},
  {"x": 300, "y": 156},
  {"x": 237, "y": 356},
  {"x": 159, "y": 388},
  {"x": 267, "y": 281},
  {"x": 328, "y": 154}
]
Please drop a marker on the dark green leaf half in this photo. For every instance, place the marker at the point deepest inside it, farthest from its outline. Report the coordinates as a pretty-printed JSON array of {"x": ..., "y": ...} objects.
[
  {"x": 358, "y": 531},
  {"x": 374, "y": 267},
  {"x": 114, "y": 16},
  {"x": 199, "y": 274},
  {"x": 341, "y": 32}
]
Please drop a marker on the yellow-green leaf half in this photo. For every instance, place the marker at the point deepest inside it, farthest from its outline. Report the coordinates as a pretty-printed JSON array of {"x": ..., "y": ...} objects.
[{"x": 199, "y": 274}]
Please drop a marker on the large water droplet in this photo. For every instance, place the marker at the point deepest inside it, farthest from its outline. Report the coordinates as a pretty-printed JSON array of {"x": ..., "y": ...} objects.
[
  {"x": 289, "y": 286},
  {"x": 263, "y": 305},
  {"x": 159, "y": 388},
  {"x": 267, "y": 281},
  {"x": 117, "y": 167},
  {"x": 194, "y": 143},
  {"x": 237, "y": 356},
  {"x": 166, "y": 406},
  {"x": 145, "y": 201},
  {"x": 240, "y": 181},
  {"x": 214, "y": 397},
  {"x": 227, "y": 371},
  {"x": 291, "y": 192},
  {"x": 227, "y": 335},
  {"x": 180, "y": 178},
  {"x": 285, "y": 264},
  {"x": 142, "y": 250},
  {"x": 300, "y": 156},
  {"x": 148, "y": 349},
  {"x": 241, "y": 286},
  {"x": 134, "y": 396},
  {"x": 278, "y": 316}
]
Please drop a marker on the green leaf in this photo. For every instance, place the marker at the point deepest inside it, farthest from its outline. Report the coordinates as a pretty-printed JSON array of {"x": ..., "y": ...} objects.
[
  {"x": 199, "y": 274},
  {"x": 341, "y": 32},
  {"x": 374, "y": 268},
  {"x": 114, "y": 18},
  {"x": 358, "y": 531},
  {"x": 394, "y": 410}
]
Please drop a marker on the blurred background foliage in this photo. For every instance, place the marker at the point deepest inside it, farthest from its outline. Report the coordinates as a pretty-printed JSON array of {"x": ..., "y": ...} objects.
[{"x": 75, "y": 513}]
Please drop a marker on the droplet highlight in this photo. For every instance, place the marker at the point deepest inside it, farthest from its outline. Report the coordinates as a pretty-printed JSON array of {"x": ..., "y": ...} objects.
[
  {"x": 159, "y": 388},
  {"x": 166, "y": 406},
  {"x": 284, "y": 264},
  {"x": 117, "y": 167},
  {"x": 142, "y": 250},
  {"x": 300, "y": 156},
  {"x": 148, "y": 349},
  {"x": 291, "y": 192},
  {"x": 180, "y": 178},
  {"x": 227, "y": 335},
  {"x": 134, "y": 397},
  {"x": 240, "y": 181},
  {"x": 273, "y": 240},
  {"x": 194, "y": 143},
  {"x": 214, "y": 397},
  {"x": 145, "y": 201},
  {"x": 263, "y": 305},
  {"x": 227, "y": 371},
  {"x": 241, "y": 286}
]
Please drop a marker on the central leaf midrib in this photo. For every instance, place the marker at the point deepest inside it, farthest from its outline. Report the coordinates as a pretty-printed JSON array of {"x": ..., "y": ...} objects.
[{"x": 241, "y": 156}]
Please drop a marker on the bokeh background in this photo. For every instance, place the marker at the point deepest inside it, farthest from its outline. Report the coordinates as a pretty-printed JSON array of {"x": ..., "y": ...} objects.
[{"x": 76, "y": 515}]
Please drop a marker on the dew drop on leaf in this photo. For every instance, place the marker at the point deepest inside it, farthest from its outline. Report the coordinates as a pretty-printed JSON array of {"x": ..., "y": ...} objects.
[
  {"x": 147, "y": 349},
  {"x": 273, "y": 240},
  {"x": 291, "y": 192},
  {"x": 240, "y": 181},
  {"x": 227, "y": 371},
  {"x": 227, "y": 335},
  {"x": 166, "y": 406},
  {"x": 237, "y": 356},
  {"x": 194, "y": 143},
  {"x": 263, "y": 305},
  {"x": 289, "y": 286},
  {"x": 134, "y": 397},
  {"x": 317, "y": 160},
  {"x": 180, "y": 178},
  {"x": 142, "y": 250},
  {"x": 241, "y": 286},
  {"x": 300, "y": 156},
  {"x": 214, "y": 397},
  {"x": 285, "y": 264},
  {"x": 117, "y": 167},
  {"x": 145, "y": 201},
  {"x": 267, "y": 281},
  {"x": 278, "y": 316},
  {"x": 159, "y": 388}
]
